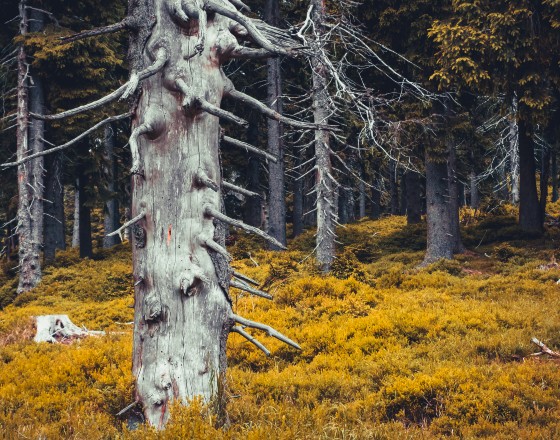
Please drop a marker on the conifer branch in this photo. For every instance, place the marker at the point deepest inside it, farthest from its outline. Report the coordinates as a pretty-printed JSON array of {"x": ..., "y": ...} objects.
[
  {"x": 67, "y": 144},
  {"x": 269, "y": 330}
]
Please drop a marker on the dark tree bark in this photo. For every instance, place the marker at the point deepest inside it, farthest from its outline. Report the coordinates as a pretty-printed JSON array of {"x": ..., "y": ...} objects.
[
  {"x": 253, "y": 205},
  {"x": 453, "y": 193},
  {"x": 376, "y": 199},
  {"x": 554, "y": 172},
  {"x": 298, "y": 194},
  {"x": 84, "y": 214},
  {"x": 30, "y": 97},
  {"x": 362, "y": 193},
  {"x": 54, "y": 219},
  {"x": 545, "y": 174},
  {"x": 440, "y": 233},
  {"x": 76, "y": 219},
  {"x": 475, "y": 199},
  {"x": 414, "y": 201},
  {"x": 276, "y": 197},
  {"x": 111, "y": 219},
  {"x": 403, "y": 195},
  {"x": 530, "y": 217},
  {"x": 393, "y": 187}
]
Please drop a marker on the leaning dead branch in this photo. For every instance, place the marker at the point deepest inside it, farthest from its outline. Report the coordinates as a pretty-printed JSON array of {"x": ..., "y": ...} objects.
[
  {"x": 250, "y": 339},
  {"x": 247, "y": 147},
  {"x": 60, "y": 329},
  {"x": 269, "y": 330},
  {"x": 115, "y": 27},
  {"x": 245, "y": 278},
  {"x": 208, "y": 210},
  {"x": 249, "y": 289},
  {"x": 67, "y": 144},
  {"x": 238, "y": 189}
]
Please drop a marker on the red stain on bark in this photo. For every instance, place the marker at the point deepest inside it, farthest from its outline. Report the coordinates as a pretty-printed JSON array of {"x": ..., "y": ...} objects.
[{"x": 169, "y": 235}]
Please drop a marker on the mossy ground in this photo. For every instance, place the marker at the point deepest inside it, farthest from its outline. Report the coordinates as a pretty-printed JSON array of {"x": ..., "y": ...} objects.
[{"x": 388, "y": 351}]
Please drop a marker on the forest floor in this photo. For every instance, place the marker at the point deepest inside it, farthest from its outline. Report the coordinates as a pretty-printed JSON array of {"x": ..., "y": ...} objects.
[{"x": 389, "y": 351}]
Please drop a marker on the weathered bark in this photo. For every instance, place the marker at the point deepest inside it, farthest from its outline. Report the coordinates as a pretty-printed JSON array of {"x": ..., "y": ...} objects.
[
  {"x": 324, "y": 185},
  {"x": 514, "y": 154},
  {"x": 403, "y": 196},
  {"x": 253, "y": 205},
  {"x": 84, "y": 215},
  {"x": 111, "y": 217},
  {"x": 440, "y": 242},
  {"x": 413, "y": 200},
  {"x": 276, "y": 196},
  {"x": 530, "y": 218},
  {"x": 30, "y": 97},
  {"x": 453, "y": 205},
  {"x": 183, "y": 313},
  {"x": 54, "y": 220}
]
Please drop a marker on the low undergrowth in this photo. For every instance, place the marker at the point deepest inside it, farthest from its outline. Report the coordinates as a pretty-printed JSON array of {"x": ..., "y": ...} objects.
[{"x": 388, "y": 351}]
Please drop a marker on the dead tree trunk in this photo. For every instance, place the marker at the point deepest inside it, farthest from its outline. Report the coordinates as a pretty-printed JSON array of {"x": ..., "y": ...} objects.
[
  {"x": 513, "y": 137},
  {"x": 183, "y": 313},
  {"x": 76, "y": 220},
  {"x": 298, "y": 194},
  {"x": 253, "y": 204},
  {"x": 453, "y": 193},
  {"x": 414, "y": 201},
  {"x": 475, "y": 199},
  {"x": 111, "y": 217},
  {"x": 545, "y": 174},
  {"x": 276, "y": 196},
  {"x": 84, "y": 214},
  {"x": 30, "y": 175},
  {"x": 324, "y": 180},
  {"x": 393, "y": 187}
]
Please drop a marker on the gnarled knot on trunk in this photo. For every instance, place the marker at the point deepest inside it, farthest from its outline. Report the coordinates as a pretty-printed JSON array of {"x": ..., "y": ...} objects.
[{"x": 193, "y": 280}]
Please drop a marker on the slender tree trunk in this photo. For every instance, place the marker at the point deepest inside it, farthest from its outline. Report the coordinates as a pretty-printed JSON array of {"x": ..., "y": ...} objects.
[
  {"x": 54, "y": 219},
  {"x": 440, "y": 233},
  {"x": 324, "y": 185},
  {"x": 298, "y": 194},
  {"x": 393, "y": 187},
  {"x": 376, "y": 199},
  {"x": 554, "y": 172},
  {"x": 76, "y": 220},
  {"x": 530, "y": 217},
  {"x": 454, "y": 199},
  {"x": 475, "y": 199},
  {"x": 404, "y": 197},
  {"x": 414, "y": 201},
  {"x": 111, "y": 220},
  {"x": 84, "y": 216},
  {"x": 514, "y": 154},
  {"x": 545, "y": 172},
  {"x": 30, "y": 175},
  {"x": 276, "y": 198},
  {"x": 253, "y": 205},
  {"x": 362, "y": 193}
]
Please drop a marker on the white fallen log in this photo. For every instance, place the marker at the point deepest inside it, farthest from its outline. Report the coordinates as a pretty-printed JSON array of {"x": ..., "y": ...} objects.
[{"x": 59, "y": 328}]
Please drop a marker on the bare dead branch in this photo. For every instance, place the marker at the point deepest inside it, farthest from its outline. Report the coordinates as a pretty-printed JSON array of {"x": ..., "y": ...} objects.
[
  {"x": 247, "y": 147},
  {"x": 216, "y": 247},
  {"x": 544, "y": 349},
  {"x": 250, "y": 339},
  {"x": 269, "y": 330},
  {"x": 202, "y": 178},
  {"x": 220, "y": 113},
  {"x": 208, "y": 210},
  {"x": 128, "y": 224},
  {"x": 239, "y": 190},
  {"x": 67, "y": 144},
  {"x": 246, "y": 288},
  {"x": 245, "y": 278}
]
